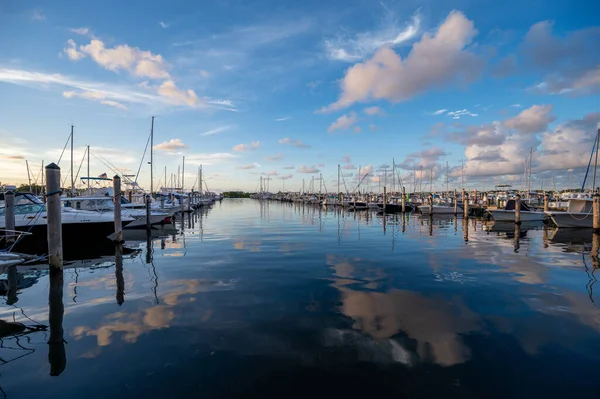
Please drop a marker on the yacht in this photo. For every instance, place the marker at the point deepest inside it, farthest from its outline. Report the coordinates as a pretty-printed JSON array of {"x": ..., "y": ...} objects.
[
  {"x": 508, "y": 213},
  {"x": 105, "y": 205},
  {"x": 440, "y": 209},
  {"x": 77, "y": 225}
]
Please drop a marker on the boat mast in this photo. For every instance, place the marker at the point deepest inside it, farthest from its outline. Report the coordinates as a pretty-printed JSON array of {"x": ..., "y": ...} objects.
[
  {"x": 338, "y": 190},
  {"x": 320, "y": 183},
  {"x": 72, "y": 175},
  {"x": 431, "y": 180},
  {"x": 182, "y": 174},
  {"x": 28, "y": 175},
  {"x": 42, "y": 189},
  {"x": 596, "y": 161},
  {"x": 88, "y": 166},
  {"x": 152, "y": 158},
  {"x": 447, "y": 191},
  {"x": 529, "y": 180}
]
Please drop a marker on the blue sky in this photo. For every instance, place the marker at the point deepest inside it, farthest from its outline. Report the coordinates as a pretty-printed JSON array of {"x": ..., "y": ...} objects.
[{"x": 292, "y": 89}]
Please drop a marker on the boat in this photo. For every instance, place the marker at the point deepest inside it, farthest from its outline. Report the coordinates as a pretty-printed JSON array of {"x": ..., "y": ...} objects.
[
  {"x": 395, "y": 208},
  {"x": 579, "y": 214},
  {"x": 440, "y": 209},
  {"x": 104, "y": 204},
  {"x": 508, "y": 213},
  {"x": 31, "y": 217},
  {"x": 357, "y": 205}
]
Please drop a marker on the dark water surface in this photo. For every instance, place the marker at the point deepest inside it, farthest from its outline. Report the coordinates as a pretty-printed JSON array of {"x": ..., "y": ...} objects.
[{"x": 280, "y": 300}]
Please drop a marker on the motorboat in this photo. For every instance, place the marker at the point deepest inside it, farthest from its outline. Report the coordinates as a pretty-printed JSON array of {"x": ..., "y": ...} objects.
[
  {"x": 579, "y": 214},
  {"x": 508, "y": 213},
  {"x": 104, "y": 204},
  {"x": 440, "y": 209},
  {"x": 395, "y": 208}
]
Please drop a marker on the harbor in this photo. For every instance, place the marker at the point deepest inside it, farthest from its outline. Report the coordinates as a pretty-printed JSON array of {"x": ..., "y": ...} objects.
[{"x": 246, "y": 292}]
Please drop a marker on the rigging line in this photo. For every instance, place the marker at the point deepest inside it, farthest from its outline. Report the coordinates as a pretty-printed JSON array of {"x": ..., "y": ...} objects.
[
  {"x": 64, "y": 148},
  {"x": 589, "y": 163},
  {"x": 80, "y": 165},
  {"x": 144, "y": 156}
]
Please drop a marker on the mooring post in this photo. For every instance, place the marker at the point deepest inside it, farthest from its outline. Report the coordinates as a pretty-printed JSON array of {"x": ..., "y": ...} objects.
[
  {"x": 430, "y": 204},
  {"x": 546, "y": 203},
  {"x": 596, "y": 211},
  {"x": 9, "y": 215},
  {"x": 120, "y": 295},
  {"x": 403, "y": 200},
  {"x": 466, "y": 205},
  {"x": 57, "y": 356},
  {"x": 54, "y": 219},
  {"x": 455, "y": 204},
  {"x": 148, "y": 221},
  {"x": 595, "y": 249},
  {"x": 384, "y": 197},
  {"x": 117, "y": 209},
  {"x": 518, "y": 209},
  {"x": 517, "y": 244}
]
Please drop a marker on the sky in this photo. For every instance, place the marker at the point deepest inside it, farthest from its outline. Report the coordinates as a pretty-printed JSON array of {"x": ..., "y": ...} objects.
[{"x": 288, "y": 90}]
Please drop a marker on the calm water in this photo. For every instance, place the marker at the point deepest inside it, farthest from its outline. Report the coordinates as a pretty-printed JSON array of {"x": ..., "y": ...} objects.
[{"x": 282, "y": 300}]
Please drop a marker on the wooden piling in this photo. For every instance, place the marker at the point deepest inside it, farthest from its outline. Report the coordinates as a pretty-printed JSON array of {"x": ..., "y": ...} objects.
[
  {"x": 596, "y": 213},
  {"x": 517, "y": 244},
  {"x": 384, "y": 197},
  {"x": 57, "y": 356},
  {"x": 546, "y": 203},
  {"x": 466, "y": 205},
  {"x": 54, "y": 217},
  {"x": 120, "y": 295},
  {"x": 518, "y": 209},
  {"x": 430, "y": 204},
  {"x": 9, "y": 216},
  {"x": 455, "y": 204},
  {"x": 595, "y": 249},
  {"x": 403, "y": 199},
  {"x": 148, "y": 208},
  {"x": 117, "y": 209}
]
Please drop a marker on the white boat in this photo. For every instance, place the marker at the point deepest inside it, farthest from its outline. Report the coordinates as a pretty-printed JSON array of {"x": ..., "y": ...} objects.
[
  {"x": 579, "y": 214},
  {"x": 105, "y": 204},
  {"x": 508, "y": 214},
  {"x": 440, "y": 209}
]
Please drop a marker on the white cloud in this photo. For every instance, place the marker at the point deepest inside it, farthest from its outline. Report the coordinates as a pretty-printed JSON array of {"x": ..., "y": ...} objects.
[
  {"x": 216, "y": 130},
  {"x": 308, "y": 169},
  {"x": 169, "y": 90},
  {"x": 71, "y": 51},
  {"x": 274, "y": 157},
  {"x": 532, "y": 120},
  {"x": 171, "y": 145},
  {"x": 461, "y": 112},
  {"x": 247, "y": 147},
  {"x": 289, "y": 167},
  {"x": 95, "y": 96},
  {"x": 285, "y": 177},
  {"x": 137, "y": 62},
  {"x": 163, "y": 24},
  {"x": 426, "y": 159},
  {"x": 343, "y": 122},
  {"x": 81, "y": 31},
  {"x": 205, "y": 74},
  {"x": 516, "y": 105},
  {"x": 373, "y": 111},
  {"x": 214, "y": 158},
  {"x": 294, "y": 143},
  {"x": 433, "y": 62},
  {"x": 349, "y": 167},
  {"x": 38, "y": 15},
  {"x": 282, "y": 119},
  {"x": 354, "y": 48},
  {"x": 439, "y": 112},
  {"x": 250, "y": 166}
]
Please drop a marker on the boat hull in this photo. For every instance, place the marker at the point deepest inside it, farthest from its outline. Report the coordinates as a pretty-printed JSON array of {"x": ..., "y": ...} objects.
[
  {"x": 509, "y": 216},
  {"x": 395, "y": 208},
  {"x": 440, "y": 210},
  {"x": 571, "y": 220}
]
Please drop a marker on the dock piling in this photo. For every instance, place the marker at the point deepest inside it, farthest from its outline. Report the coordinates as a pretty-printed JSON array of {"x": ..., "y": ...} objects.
[
  {"x": 430, "y": 204},
  {"x": 54, "y": 220},
  {"x": 403, "y": 199},
  {"x": 117, "y": 209},
  {"x": 518, "y": 209},
  {"x": 455, "y": 204},
  {"x": 546, "y": 204},
  {"x": 9, "y": 215},
  {"x": 148, "y": 221},
  {"x": 384, "y": 197},
  {"x": 466, "y": 205},
  {"x": 596, "y": 211}
]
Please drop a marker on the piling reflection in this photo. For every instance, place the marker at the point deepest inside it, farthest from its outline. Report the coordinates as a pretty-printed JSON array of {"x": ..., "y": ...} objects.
[
  {"x": 56, "y": 344},
  {"x": 120, "y": 295}
]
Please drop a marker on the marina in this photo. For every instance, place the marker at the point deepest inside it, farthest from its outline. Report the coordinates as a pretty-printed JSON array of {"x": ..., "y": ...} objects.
[{"x": 254, "y": 298}]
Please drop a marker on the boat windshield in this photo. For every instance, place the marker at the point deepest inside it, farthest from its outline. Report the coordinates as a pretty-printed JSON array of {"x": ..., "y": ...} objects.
[
  {"x": 21, "y": 209},
  {"x": 90, "y": 204}
]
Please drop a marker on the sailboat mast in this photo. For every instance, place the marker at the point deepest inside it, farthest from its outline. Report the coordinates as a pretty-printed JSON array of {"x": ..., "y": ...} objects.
[
  {"x": 430, "y": 180},
  {"x": 447, "y": 191},
  {"x": 88, "y": 166},
  {"x": 529, "y": 180},
  {"x": 596, "y": 161},
  {"x": 72, "y": 175},
  {"x": 42, "y": 189},
  {"x": 201, "y": 181},
  {"x": 152, "y": 158},
  {"x": 28, "y": 175},
  {"x": 182, "y": 174},
  {"x": 320, "y": 183}
]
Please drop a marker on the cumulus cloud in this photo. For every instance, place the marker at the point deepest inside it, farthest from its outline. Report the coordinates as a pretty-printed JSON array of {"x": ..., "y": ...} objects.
[
  {"x": 137, "y": 62},
  {"x": 171, "y": 145},
  {"x": 343, "y": 122},
  {"x": 293, "y": 143},
  {"x": 80, "y": 31},
  {"x": 170, "y": 91},
  {"x": 532, "y": 120},
  {"x": 72, "y": 52},
  {"x": 373, "y": 111},
  {"x": 426, "y": 159},
  {"x": 350, "y": 48},
  {"x": 571, "y": 63},
  {"x": 434, "y": 61},
  {"x": 247, "y": 147},
  {"x": 275, "y": 157},
  {"x": 482, "y": 135},
  {"x": 308, "y": 169},
  {"x": 99, "y": 96}
]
